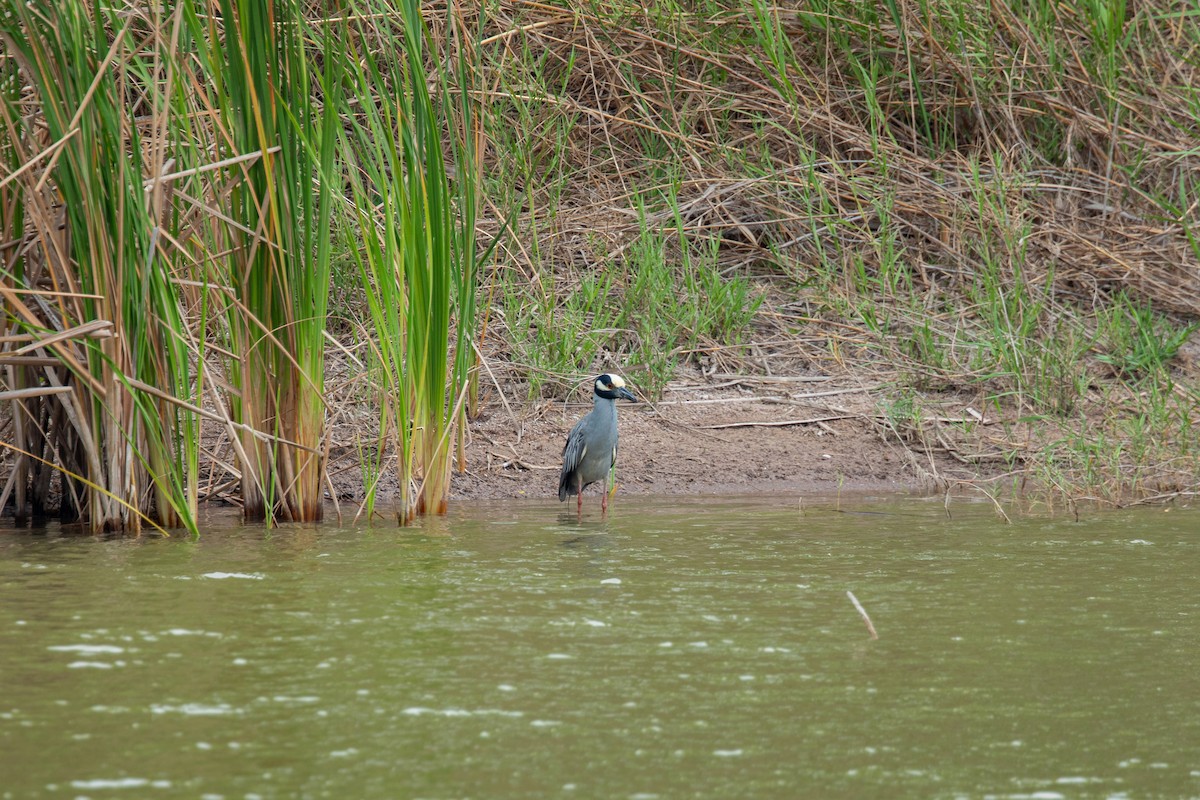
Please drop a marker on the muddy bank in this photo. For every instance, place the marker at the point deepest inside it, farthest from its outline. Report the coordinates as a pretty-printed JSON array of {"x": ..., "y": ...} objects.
[{"x": 707, "y": 436}]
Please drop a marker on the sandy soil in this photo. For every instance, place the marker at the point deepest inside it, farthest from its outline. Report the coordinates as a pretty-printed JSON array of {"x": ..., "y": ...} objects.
[{"x": 708, "y": 435}]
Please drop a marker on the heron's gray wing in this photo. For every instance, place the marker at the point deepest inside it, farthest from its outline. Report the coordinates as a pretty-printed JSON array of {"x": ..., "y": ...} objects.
[{"x": 572, "y": 454}]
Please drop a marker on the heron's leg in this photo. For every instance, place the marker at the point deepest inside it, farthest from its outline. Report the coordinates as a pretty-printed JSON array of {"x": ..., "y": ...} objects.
[
  {"x": 603, "y": 503},
  {"x": 579, "y": 497}
]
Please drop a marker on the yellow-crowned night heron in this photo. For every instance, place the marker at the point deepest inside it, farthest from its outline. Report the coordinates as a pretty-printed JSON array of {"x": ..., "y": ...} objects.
[{"x": 591, "y": 448}]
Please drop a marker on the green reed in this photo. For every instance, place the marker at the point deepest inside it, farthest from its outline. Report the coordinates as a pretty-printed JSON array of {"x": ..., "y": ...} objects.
[
  {"x": 279, "y": 244},
  {"x": 97, "y": 355},
  {"x": 417, "y": 263}
]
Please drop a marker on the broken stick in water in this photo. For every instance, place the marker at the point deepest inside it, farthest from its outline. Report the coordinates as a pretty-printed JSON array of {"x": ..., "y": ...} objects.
[{"x": 863, "y": 612}]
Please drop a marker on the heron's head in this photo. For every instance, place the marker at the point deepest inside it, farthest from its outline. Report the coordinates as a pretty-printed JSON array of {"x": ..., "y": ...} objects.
[{"x": 612, "y": 387}]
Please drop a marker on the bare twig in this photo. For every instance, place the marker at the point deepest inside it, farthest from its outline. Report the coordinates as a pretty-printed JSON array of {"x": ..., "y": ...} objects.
[
  {"x": 862, "y": 612},
  {"x": 779, "y": 423}
]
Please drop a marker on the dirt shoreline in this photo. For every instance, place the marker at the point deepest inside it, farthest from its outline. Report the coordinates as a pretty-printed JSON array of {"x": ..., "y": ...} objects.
[{"x": 721, "y": 435}]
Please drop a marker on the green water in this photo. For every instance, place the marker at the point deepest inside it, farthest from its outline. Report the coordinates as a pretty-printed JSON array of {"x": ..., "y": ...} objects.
[{"x": 679, "y": 648}]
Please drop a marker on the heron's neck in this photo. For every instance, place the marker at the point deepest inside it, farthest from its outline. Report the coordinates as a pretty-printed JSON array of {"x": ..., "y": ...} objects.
[{"x": 605, "y": 405}]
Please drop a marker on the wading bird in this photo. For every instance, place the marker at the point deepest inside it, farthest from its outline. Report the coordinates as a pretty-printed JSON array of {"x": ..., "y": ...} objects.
[{"x": 591, "y": 449}]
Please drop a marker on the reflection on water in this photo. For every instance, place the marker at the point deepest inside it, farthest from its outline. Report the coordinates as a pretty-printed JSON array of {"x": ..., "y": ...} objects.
[{"x": 696, "y": 647}]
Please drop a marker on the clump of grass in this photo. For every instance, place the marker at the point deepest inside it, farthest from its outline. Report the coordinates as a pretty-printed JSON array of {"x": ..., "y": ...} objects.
[
  {"x": 676, "y": 311},
  {"x": 664, "y": 301},
  {"x": 1137, "y": 341},
  {"x": 557, "y": 337},
  {"x": 245, "y": 102},
  {"x": 263, "y": 95},
  {"x": 101, "y": 373},
  {"x": 418, "y": 264}
]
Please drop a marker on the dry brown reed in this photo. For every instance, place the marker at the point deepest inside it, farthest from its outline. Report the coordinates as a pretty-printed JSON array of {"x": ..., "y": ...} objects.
[{"x": 1094, "y": 215}]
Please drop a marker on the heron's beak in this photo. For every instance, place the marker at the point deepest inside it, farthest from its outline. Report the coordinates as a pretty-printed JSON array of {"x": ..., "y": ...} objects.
[{"x": 625, "y": 393}]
